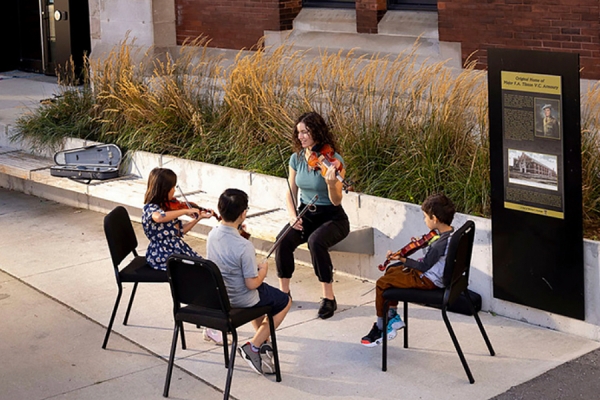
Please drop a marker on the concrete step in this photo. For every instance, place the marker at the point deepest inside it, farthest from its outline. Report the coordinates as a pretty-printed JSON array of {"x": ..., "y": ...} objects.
[
  {"x": 363, "y": 44},
  {"x": 316, "y": 30}
]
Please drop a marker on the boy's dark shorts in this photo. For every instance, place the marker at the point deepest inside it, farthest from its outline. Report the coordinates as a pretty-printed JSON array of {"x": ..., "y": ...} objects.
[{"x": 270, "y": 296}]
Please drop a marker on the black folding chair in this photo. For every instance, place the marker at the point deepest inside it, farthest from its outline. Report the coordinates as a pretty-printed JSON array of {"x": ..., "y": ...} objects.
[
  {"x": 122, "y": 242},
  {"x": 198, "y": 285},
  {"x": 456, "y": 280}
]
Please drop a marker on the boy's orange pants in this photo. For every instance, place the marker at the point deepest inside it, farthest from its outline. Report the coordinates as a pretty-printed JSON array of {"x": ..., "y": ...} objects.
[{"x": 397, "y": 277}]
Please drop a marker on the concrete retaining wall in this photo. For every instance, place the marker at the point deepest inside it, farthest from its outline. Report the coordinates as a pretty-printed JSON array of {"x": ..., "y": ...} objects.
[{"x": 394, "y": 223}]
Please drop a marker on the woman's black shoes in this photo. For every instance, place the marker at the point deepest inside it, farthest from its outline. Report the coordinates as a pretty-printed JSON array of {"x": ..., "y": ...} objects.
[{"x": 327, "y": 308}]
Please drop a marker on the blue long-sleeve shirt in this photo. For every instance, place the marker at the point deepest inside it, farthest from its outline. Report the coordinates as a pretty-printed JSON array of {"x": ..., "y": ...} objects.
[{"x": 432, "y": 265}]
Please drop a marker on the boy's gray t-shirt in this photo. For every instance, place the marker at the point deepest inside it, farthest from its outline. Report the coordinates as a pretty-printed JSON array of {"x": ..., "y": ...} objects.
[{"x": 236, "y": 258}]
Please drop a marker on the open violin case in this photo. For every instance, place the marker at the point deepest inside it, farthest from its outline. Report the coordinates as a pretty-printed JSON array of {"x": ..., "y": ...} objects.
[{"x": 83, "y": 164}]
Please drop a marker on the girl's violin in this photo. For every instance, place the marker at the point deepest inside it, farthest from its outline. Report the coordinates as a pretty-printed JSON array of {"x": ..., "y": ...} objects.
[
  {"x": 414, "y": 245},
  {"x": 322, "y": 157},
  {"x": 174, "y": 204},
  {"x": 178, "y": 205}
]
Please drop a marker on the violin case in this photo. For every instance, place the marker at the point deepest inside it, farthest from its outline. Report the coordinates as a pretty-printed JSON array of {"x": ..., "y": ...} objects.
[{"x": 83, "y": 164}]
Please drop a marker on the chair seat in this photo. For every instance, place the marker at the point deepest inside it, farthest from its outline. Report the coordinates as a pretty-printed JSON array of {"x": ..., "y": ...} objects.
[
  {"x": 138, "y": 270},
  {"x": 419, "y": 296},
  {"x": 216, "y": 319}
]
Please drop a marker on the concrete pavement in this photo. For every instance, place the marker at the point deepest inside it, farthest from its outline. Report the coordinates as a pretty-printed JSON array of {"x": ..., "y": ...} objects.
[{"x": 57, "y": 290}]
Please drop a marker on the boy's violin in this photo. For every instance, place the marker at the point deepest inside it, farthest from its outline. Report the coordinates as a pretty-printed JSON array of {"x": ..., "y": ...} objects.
[
  {"x": 414, "y": 245},
  {"x": 322, "y": 157}
]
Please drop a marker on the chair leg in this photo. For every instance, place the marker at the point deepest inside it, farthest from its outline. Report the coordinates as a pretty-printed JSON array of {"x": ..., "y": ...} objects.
[
  {"x": 275, "y": 350},
  {"x": 171, "y": 360},
  {"x": 484, "y": 334},
  {"x": 130, "y": 303},
  {"x": 406, "y": 325},
  {"x": 457, "y": 346},
  {"x": 225, "y": 349},
  {"x": 183, "y": 343},
  {"x": 112, "y": 317},
  {"x": 386, "y": 307},
  {"x": 234, "y": 343},
  {"x": 480, "y": 325}
]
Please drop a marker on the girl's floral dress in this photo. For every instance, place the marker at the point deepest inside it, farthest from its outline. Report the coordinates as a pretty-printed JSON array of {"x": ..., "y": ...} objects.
[{"x": 165, "y": 238}]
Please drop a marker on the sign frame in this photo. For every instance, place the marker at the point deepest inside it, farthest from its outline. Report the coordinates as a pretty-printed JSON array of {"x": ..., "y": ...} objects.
[{"x": 535, "y": 173}]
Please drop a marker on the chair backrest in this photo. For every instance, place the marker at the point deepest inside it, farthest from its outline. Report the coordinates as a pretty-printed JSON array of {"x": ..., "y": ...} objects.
[
  {"x": 197, "y": 281},
  {"x": 458, "y": 260},
  {"x": 119, "y": 235}
]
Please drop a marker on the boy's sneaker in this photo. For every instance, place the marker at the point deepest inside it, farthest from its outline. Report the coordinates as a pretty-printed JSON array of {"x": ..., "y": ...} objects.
[
  {"x": 395, "y": 324},
  {"x": 375, "y": 336},
  {"x": 213, "y": 335},
  {"x": 252, "y": 358},
  {"x": 266, "y": 357}
]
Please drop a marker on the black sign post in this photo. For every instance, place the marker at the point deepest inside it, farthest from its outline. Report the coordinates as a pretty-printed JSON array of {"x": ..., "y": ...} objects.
[{"x": 535, "y": 159}]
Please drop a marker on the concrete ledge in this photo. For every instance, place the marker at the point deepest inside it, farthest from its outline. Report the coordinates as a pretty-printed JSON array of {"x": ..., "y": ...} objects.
[{"x": 202, "y": 183}]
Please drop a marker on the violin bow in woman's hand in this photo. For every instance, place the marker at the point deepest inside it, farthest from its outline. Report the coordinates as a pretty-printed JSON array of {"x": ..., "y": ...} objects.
[{"x": 308, "y": 207}]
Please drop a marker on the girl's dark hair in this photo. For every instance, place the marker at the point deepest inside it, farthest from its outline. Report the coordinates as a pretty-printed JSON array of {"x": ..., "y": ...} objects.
[
  {"x": 160, "y": 183},
  {"x": 440, "y": 206},
  {"x": 318, "y": 128},
  {"x": 232, "y": 204}
]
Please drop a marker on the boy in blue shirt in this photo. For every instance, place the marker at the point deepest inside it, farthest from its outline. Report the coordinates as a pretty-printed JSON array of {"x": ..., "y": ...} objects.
[{"x": 427, "y": 273}]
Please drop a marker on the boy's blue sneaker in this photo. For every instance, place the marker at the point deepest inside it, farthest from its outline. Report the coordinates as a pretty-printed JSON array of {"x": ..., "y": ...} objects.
[{"x": 395, "y": 323}]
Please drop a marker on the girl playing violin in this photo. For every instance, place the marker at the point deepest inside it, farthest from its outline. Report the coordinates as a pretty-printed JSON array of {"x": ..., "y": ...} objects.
[
  {"x": 322, "y": 227},
  {"x": 426, "y": 274},
  {"x": 161, "y": 224}
]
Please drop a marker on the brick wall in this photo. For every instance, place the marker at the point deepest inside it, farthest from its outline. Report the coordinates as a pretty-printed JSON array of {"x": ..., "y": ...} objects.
[
  {"x": 368, "y": 14},
  {"x": 233, "y": 24},
  {"x": 548, "y": 25}
]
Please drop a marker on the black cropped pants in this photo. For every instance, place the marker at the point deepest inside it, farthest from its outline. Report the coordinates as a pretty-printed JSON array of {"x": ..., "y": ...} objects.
[{"x": 323, "y": 228}]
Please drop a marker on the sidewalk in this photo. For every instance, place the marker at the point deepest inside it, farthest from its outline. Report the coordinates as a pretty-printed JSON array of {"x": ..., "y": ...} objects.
[
  {"x": 60, "y": 289},
  {"x": 57, "y": 290}
]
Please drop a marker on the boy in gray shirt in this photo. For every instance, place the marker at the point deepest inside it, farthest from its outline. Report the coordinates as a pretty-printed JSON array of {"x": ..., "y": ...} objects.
[{"x": 243, "y": 277}]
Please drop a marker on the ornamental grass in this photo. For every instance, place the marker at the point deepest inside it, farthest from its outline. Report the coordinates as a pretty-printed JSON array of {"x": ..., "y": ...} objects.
[{"x": 406, "y": 129}]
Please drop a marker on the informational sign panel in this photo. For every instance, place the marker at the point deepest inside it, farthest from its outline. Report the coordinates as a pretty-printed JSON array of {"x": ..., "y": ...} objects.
[{"x": 535, "y": 159}]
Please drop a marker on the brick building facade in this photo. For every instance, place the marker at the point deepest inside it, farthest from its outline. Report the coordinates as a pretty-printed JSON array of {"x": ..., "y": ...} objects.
[
  {"x": 549, "y": 25},
  {"x": 233, "y": 24},
  {"x": 571, "y": 26}
]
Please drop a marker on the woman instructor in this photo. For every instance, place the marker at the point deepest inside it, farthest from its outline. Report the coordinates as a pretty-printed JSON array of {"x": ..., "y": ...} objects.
[{"x": 320, "y": 228}]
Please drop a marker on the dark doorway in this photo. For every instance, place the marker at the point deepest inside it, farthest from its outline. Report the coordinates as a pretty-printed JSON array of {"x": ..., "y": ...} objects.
[
  {"x": 425, "y": 5},
  {"x": 44, "y": 34},
  {"x": 329, "y": 3},
  {"x": 29, "y": 36},
  {"x": 68, "y": 33},
  {"x": 9, "y": 28}
]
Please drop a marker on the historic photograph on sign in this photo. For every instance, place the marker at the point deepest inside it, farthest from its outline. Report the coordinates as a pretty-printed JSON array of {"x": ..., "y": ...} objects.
[
  {"x": 547, "y": 118},
  {"x": 533, "y": 169}
]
